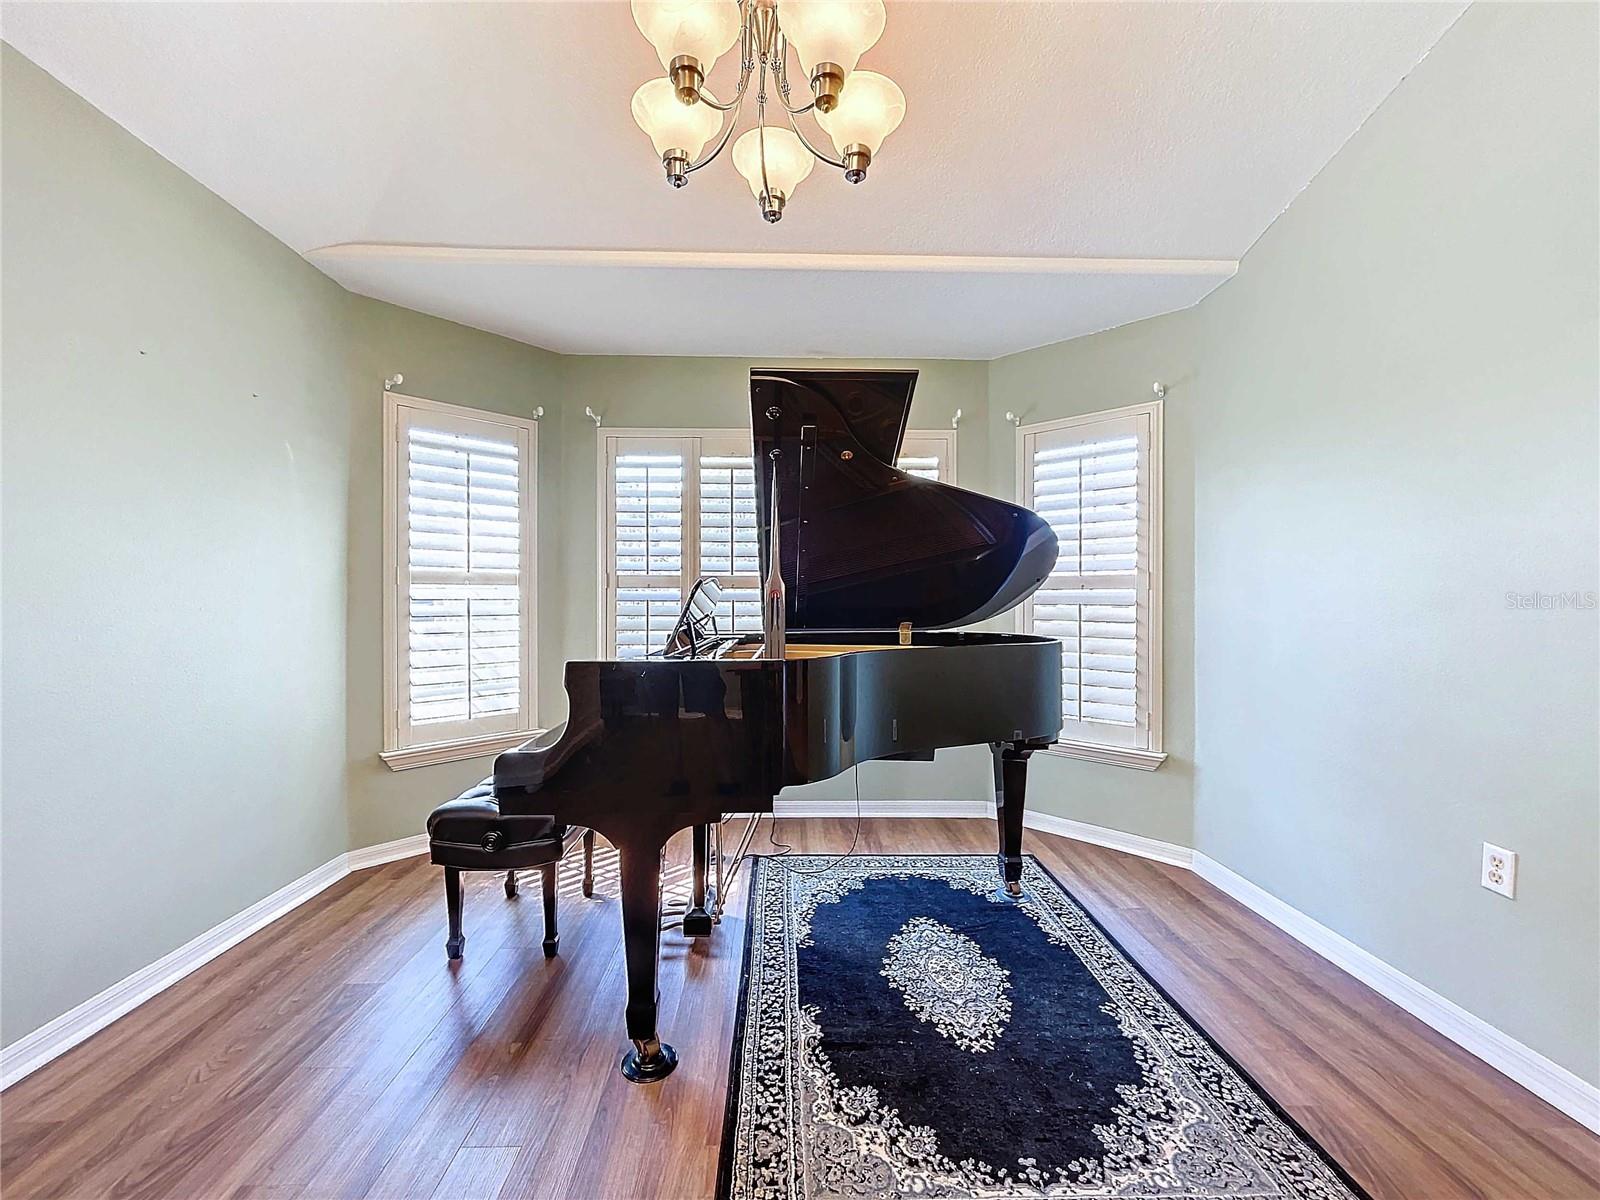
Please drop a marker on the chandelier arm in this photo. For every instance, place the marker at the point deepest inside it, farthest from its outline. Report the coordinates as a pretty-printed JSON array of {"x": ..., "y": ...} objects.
[
  {"x": 817, "y": 154},
  {"x": 744, "y": 70},
  {"x": 728, "y": 106},
  {"x": 733, "y": 123},
  {"x": 782, "y": 73}
]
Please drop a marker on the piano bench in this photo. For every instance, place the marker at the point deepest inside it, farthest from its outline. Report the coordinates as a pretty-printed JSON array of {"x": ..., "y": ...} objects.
[{"x": 470, "y": 833}]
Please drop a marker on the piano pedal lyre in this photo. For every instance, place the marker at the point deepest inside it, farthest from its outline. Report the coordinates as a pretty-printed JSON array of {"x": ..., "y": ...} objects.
[{"x": 717, "y": 876}]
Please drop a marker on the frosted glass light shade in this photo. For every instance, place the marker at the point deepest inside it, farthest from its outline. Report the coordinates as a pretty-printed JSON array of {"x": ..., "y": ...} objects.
[
  {"x": 671, "y": 125},
  {"x": 788, "y": 161},
  {"x": 702, "y": 29},
  {"x": 836, "y": 31},
  {"x": 870, "y": 108}
]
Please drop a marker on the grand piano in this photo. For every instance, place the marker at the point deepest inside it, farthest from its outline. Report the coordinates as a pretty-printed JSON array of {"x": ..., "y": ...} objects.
[{"x": 852, "y": 664}]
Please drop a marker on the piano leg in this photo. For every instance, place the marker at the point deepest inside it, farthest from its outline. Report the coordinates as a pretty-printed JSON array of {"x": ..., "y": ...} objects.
[
  {"x": 640, "y": 865},
  {"x": 1011, "y": 769},
  {"x": 697, "y": 921}
]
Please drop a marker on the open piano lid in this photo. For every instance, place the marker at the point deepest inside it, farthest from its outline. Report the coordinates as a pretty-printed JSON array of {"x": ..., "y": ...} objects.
[{"x": 863, "y": 545}]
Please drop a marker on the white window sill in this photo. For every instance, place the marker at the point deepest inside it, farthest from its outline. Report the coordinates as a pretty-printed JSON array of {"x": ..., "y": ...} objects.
[
  {"x": 1116, "y": 756},
  {"x": 443, "y": 752}
]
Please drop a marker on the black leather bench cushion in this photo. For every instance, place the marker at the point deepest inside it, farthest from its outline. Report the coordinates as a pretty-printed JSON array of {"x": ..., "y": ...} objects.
[{"x": 471, "y": 832}]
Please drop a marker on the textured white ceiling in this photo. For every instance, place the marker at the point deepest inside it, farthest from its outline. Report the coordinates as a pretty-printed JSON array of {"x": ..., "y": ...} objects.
[{"x": 1168, "y": 132}]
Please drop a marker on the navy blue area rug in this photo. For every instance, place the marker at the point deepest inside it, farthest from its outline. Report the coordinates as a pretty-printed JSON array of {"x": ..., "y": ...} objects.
[{"x": 905, "y": 1032}]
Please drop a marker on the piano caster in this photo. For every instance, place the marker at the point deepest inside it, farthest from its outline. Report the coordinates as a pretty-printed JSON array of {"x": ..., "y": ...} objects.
[
  {"x": 650, "y": 1060},
  {"x": 1010, "y": 892}
]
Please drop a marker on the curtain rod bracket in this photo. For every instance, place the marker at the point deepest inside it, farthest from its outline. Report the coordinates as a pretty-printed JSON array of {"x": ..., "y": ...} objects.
[
  {"x": 592, "y": 415},
  {"x": 393, "y": 381}
]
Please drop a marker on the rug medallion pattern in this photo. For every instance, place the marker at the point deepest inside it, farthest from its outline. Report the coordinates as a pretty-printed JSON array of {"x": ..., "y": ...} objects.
[{"x": 904, "y": 1032}]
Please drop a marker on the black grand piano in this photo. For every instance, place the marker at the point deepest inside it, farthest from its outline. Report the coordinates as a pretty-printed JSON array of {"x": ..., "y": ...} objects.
[{"x": 850, "y": 666}]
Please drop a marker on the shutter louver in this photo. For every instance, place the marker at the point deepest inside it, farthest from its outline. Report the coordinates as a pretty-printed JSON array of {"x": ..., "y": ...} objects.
[{"x": 928, "y": 455}]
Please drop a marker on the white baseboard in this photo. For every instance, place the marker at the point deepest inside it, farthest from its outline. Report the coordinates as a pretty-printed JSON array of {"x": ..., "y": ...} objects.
[
  {"x": 1548, "y": 1080},
  {"x": 27, "y": 1054},
  {"x": 30, "y": 1052},
  {"x": 883, "y": 808},
  {"x": 387, "y": 852},
  {"x": 1113, "y": 839}
]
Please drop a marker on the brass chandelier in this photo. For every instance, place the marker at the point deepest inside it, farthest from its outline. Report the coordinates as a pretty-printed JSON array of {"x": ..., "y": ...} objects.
[{"x": 856, "y": 109}]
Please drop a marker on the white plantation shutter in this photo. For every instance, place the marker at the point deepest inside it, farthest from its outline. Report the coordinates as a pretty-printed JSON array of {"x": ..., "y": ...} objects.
[
  {"x": 681, "y": 504},
  {"x": 929, "y": 455},
  {"x": 1093, "y": 479},
  {"x": 645, "y": 519},
  {"x": 461, "y": 555},
  {"x": 727, "y": 524}
]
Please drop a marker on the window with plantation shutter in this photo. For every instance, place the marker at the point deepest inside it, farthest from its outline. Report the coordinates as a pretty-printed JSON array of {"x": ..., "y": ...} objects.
[
  {"x": 726, "y": 491},
  {"x": 1096, "y": 480},
  {"x": 679, "y": 504},
  {"x": 645, "y": 524},
  {"x": 930, "y": 455},
  {"x": 459, "y": 557}
]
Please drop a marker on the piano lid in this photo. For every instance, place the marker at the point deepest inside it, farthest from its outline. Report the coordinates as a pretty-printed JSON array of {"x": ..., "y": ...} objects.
[{"x": 864, "y": 545}]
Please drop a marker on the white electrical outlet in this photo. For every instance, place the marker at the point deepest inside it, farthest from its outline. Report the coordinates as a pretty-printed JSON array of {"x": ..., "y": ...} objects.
[{"x": 1499, "y": 870}]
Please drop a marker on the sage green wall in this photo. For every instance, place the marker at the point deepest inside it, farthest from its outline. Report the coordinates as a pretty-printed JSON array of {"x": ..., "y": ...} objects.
[
  {"x": 1113, "y": 370},
  {"x": 176, "y": 462},
  {"x": 191, "y": 519},
  {"x": 689, "y": 393},
  {"x": 1377, "y": 431},
  {"x": 457, "y": 365},
  {"x": 1395, "y": 428}
]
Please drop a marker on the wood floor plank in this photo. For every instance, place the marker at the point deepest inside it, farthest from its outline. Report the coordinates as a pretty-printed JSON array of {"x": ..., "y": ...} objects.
[
  {"x": 476, "y": 1173},
  {"x": 336, "y": 1054}
]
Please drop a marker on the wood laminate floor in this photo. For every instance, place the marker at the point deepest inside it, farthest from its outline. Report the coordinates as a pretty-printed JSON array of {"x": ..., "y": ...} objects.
[{"x": 335, "y": 1054}]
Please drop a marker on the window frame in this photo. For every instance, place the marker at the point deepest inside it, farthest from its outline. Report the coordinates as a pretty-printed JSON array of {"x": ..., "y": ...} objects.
[
  {"x": 1146, "y": 753},
  {"x": 691, "y": 442},
  {"x": 400, "y": 752}
]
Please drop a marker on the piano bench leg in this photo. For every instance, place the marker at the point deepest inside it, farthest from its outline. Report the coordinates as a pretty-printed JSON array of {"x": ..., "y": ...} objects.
[
  {"x": 452, "y": 902},
  {"x": 552, "y": 935},
  {"x": 588, "y": 862},
  {"x": 511, "y": 885}
]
